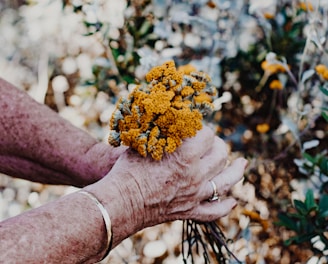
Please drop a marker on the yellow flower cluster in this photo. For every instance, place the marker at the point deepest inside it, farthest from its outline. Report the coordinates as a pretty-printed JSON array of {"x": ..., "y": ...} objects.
[
  {"x": 157, "y": 116},
  {"x": 322, "y": 70}
]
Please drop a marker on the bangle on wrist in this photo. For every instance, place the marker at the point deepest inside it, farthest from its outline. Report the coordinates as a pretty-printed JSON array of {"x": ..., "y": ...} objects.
[{"x": 106, "y": 219}]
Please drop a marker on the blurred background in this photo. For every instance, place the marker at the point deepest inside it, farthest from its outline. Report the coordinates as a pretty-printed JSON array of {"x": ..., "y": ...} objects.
[{"x": 268, "y": 61}]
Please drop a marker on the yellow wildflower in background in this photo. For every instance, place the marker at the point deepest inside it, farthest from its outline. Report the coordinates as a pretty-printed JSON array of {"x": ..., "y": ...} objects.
[
  {"x": 268, "y": 15},
  {"x": 306, "y": 6},
  {"x": 325, "y": 75},
  {"x": 276, "y": 85},
  {"x": 157, "y": 116},
  {"x": 262, "y": 128},
  {"x": 322, "y": 70},
  {"x": 272, "y": 68}
]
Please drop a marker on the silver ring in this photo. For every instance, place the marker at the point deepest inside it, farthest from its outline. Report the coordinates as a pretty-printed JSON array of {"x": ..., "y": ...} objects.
[{"x": 215, "y": 195}]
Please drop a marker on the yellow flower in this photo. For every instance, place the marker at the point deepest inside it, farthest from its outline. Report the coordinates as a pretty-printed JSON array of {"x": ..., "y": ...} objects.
[
  {"x": 187, "y": 69},
  {"x": 276, "y": 84},
  {"x": 325, "y": 74},
  {"x": 141, "y": 145},
  {"x": 186, "y": 124},
  {"x": 186, "y": 91},
  {"x": 262, "y": 128},
  {"x": 306, "y": 6},
  {"x": 172, "y": 144},
  {"x": 158, "y": 102},
  {"x": 157, "y": 116},
  {"x": 268, "y": 15},
  {"x": 157, "y": 150},
  {"x": 272, "y": 68},
  {"x": 320, "y": 68},
  {"x": 202, "y": 97},
  {"x": 181, "y": 104},
  {"x": 128, "y": 137},
  {"x": 198, "y": 86}
]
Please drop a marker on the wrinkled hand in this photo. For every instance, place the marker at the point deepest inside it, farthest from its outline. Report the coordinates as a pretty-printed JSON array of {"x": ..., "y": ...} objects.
[{"x": 151, "y": 192}]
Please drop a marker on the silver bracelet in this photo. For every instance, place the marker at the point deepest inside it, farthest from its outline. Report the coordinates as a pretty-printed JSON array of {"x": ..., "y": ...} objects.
[{"x": 106, "y": 218}]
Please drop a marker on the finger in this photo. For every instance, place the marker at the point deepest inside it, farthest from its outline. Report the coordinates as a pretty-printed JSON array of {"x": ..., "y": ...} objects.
[
  {"x": 225, "y": 180},
  {"x": 210, "y": 211},
  {"x": 196, "y": 147},
  {"x": 215, "y": 159}
]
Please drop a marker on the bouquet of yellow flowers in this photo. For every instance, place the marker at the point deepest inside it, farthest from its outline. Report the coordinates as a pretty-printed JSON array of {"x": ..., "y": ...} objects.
[
  {"x": 155, "y": 119},
  {"x": 157, "y": 116}
]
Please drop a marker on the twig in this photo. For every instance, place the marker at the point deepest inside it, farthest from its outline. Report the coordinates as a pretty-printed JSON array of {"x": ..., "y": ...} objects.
[{"x": 201, "y": 235}]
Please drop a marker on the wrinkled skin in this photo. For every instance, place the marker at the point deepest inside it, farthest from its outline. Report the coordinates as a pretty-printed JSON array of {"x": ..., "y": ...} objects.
[
  {"x": 177, "y": 187},
  {"x": 38, "y": 145},
  {"x": 137, "y": 193}
]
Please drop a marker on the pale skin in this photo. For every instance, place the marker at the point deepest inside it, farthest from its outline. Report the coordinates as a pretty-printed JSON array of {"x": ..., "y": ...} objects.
[{"x": 137, "y": 192}]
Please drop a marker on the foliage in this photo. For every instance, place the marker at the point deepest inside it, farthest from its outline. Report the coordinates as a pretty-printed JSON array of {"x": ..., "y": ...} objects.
[
  {"x": 136, "y": 32},
  {"x": 309, "y": 222}
]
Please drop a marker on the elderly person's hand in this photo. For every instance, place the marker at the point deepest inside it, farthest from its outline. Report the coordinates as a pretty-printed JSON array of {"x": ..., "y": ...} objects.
[{"x": 140, "y": 192}]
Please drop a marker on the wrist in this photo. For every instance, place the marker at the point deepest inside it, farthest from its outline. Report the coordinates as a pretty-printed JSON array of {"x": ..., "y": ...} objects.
[
  {"x": 123, "y": 204},
  {"x": 106, "y": 220},
  {"x": 97, "y": 162}
]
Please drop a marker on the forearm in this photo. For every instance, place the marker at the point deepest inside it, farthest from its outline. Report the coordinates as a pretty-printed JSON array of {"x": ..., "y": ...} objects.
[
  {"x": 69, "y": 230},
  {"x": 38, "y": 145},
  {"x": 72, "y": 229},
  {"x": 80, "y": 171}
]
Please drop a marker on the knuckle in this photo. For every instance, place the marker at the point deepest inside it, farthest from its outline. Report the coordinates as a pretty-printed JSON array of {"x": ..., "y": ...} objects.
[{"x": 224, "y": 188}]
